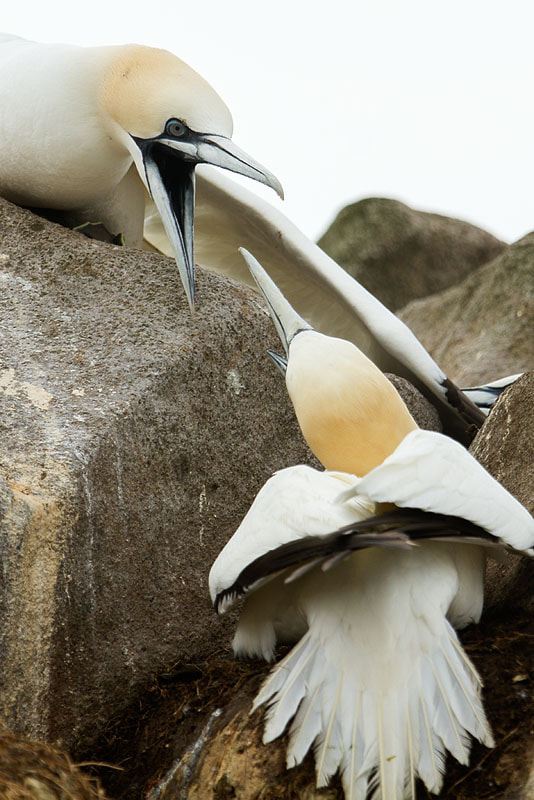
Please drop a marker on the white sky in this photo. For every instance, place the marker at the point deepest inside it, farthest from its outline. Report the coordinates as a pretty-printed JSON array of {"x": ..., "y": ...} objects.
[{"x": 428, "y": 101}]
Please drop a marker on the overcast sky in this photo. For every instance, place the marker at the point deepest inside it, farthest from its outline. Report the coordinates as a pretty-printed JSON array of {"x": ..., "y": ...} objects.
[{"x": 427, "y": 101}]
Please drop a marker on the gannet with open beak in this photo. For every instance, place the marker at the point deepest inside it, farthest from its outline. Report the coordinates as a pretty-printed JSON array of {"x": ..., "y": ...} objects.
[
  {"x": 86, "y": 129},
  {"x": 370, "y": 565}
]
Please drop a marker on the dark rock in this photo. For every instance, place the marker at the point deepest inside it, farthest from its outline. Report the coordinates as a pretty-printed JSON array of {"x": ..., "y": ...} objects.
[
  {"x": 399, "y": 254},
  {"x": 482, "y": 329},
  {"x": 421, "y": 409},
  {"x": 505, "y": 447},
  {"x": 134, "y": 437}
]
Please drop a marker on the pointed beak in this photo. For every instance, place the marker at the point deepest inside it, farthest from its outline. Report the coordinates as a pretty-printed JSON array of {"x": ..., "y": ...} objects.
[
  {"x": 171, "y": 182},
  {"x": 222, "y": 152},
  {"x": 286, "y": 320},
  {"x": 279, "y": 361},
  {"x": 169, "y": 168}
]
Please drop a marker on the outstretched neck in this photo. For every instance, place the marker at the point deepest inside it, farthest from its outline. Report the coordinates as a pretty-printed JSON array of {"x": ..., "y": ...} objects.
[{"x": 350, "y": 414}]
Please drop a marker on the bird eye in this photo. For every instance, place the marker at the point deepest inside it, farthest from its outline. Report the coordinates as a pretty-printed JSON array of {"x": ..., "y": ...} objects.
[{"x": 175, "y": 128}]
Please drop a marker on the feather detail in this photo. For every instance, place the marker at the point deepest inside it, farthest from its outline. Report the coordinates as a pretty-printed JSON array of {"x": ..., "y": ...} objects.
[{"x": 379, "y": 686}]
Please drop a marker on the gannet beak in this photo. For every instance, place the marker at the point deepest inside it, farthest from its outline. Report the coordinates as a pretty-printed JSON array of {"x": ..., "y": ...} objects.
[
  {"x": 222, "y": 152},
  {"x": 279, "y": 361},
  {"x": 169, "y": 167},
  {"x": 287, "y": 322},
  {"x": 171, "y": 182}
]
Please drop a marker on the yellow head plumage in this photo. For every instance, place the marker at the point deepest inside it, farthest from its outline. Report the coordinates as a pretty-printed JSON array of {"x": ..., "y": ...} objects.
[
  {"x": 350, "y": 414},
  {"x": 143, "y": 87}
]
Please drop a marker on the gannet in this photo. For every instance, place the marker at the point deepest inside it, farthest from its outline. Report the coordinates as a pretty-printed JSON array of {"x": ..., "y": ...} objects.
[
  {"x": 377, "y": 683},
  {"x": 89, "y": 129},
  {"x": 229, "y": 216}
]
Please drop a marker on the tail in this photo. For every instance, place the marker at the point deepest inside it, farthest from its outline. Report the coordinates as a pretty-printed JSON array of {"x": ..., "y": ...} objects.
[{"x": 380, "y": 704}]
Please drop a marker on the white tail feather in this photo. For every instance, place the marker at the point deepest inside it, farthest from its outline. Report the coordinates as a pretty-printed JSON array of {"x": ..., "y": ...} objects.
[{"x": 379, "y": 692}]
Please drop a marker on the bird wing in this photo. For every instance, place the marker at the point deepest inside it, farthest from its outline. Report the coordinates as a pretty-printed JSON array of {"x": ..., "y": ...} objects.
[
  {"x": 296, "y": 503},
  {"x": 431, "y": 472},
  {"x": 487, "y": 395},
  {"x": 228, "y": 216}
]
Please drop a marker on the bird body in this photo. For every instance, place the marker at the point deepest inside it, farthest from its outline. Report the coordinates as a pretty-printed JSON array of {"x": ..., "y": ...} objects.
[
  {"x": 91, "y": 130},
  {"x": 57, "y": 148},
  {"x": 378, "y": 680},
  {"x": 377, "y": 683}
]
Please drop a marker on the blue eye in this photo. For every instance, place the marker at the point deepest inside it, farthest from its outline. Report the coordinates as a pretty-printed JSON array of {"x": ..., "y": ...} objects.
[{"x": 175, "y": 128}]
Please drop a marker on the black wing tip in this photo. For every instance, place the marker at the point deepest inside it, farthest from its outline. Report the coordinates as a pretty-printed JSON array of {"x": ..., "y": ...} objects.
[
  {"x": 468, "y": 410},
  {"x": 228, "y": 597}
]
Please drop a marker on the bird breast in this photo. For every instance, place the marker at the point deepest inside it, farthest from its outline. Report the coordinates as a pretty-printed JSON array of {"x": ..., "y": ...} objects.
[{"x": 59, "y": 148}]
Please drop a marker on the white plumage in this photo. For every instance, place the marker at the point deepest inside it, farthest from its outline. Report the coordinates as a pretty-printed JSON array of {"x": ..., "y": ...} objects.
[
  {"x": 486, "y": 395},
  {"x": 378, "y": 683},
  {"x": 89, "y": 130},
  {"x": 379, "y": 680},
  {"x": 229, "y": 216}
]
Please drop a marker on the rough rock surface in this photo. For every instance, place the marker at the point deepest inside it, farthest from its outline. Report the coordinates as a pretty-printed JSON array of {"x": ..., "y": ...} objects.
[
  {"x": 421, "y": 409},
  {"x": 133, "y": 439},
  {"x": 505, "y": 447},
  {"x": 482, "y": 329},
  {"x": 400, "y": 254}
]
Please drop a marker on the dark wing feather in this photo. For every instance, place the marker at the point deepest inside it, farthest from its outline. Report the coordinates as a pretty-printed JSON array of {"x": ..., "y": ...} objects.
[{"x": 398, "y": 529}]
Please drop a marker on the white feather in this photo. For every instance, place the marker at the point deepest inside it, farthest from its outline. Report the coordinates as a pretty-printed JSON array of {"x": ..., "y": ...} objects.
[
  {"x": 435, "y": 473},
  {"x": 485, "y": 396},
  {"x": 382, "y": 689},
  {"x": 275, "y": 518}
]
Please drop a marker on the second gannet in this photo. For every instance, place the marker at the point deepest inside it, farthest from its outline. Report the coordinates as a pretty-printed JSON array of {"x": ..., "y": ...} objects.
[
  {"x": 369, "y": 566},
  {"x": 89, "y": 130}
]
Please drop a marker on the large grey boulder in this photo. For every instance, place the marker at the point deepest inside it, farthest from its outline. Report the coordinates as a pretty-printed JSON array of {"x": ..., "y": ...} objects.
[
  {"x": 505, "y": 447},
  {"x": 400, "y": 254},
  {"x": 483, "y": 328},
  {"x": 134, "y": 437}
]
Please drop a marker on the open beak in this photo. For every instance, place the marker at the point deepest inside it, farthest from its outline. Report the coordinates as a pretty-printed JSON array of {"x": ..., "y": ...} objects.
[
  {"x": 286, "y": 320},
  {"x": 169, "y": 166}
]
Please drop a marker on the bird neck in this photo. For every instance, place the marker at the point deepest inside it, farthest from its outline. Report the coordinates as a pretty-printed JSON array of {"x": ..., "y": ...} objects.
[{"x": 350, "y": 414}]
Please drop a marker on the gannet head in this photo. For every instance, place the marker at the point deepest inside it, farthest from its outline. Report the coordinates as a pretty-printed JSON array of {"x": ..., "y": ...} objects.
[
  {"x": 171, "y": 119},
  {"x": 350, "y": 414}
]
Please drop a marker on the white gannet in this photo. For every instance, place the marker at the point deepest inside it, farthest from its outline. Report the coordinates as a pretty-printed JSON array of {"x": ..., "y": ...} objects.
[
  {"x": 378, "y": 683},
  {"x": 228, "y": 216},
  {"x": 86, "y": 129}
]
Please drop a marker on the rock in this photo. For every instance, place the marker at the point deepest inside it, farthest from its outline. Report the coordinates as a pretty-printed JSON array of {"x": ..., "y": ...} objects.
[
  {"x": 505, "y": 447},
  {"x": 482, "y": 329},
  {"x": 421, "y": 409},
  {"x": 36, "y": 771},
  {"x": 134, "y": 437},
  {"x": 400, "y": 254}
]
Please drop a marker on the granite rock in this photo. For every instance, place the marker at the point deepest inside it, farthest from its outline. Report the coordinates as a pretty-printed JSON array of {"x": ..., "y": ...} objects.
[
  {"x": 133, "y": 438},
  {"x": 483, "y": 328},
  {"x": 400, "y": 254}
]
